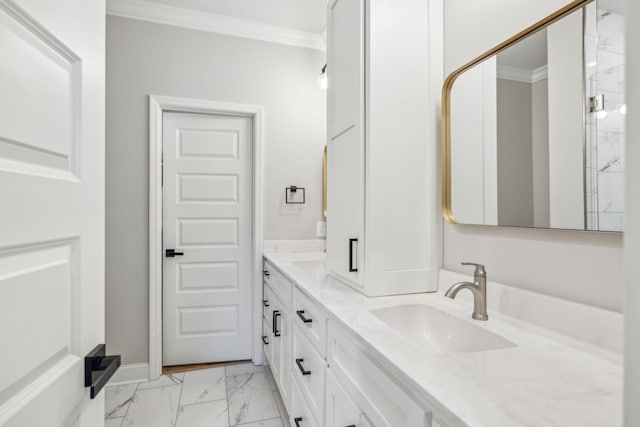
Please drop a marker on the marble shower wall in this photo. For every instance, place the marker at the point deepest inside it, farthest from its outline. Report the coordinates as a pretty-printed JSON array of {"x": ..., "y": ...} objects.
[{"x": 605, "y": 61}]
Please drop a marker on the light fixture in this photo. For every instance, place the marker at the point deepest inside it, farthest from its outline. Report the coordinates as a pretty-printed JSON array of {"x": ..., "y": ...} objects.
[{"x": 323, "y": 82}]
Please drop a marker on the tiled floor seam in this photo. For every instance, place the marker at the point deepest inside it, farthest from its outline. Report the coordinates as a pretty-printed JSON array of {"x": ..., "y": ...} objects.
[{"x": 175, "y": 421}]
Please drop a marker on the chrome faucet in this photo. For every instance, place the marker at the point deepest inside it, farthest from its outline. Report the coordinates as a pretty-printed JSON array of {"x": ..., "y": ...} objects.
[{"x": 478, "y": 288}]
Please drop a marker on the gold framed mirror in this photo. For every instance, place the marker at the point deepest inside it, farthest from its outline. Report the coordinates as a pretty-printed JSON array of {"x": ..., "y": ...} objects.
[{"x": 528, "y": 127}]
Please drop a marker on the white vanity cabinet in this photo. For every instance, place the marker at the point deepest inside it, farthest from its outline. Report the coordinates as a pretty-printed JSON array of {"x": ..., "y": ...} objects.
[
  {"x": 381, "y": 147},
  {"x": 276, "y": 327},
  {"x": 325, "y": 376}
]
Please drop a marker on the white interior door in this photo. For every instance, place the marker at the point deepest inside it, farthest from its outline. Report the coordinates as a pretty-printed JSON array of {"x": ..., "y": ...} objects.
[
  {"x": 207, "y": 220},
  {"x": 52, "y": 209}
]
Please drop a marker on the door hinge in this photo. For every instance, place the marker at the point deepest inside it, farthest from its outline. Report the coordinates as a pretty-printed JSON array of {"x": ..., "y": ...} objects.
[{"x": 596, "y": 103}]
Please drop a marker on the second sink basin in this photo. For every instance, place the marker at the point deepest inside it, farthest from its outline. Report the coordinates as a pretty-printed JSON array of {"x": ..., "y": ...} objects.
[{"x": 440, "y": 331}]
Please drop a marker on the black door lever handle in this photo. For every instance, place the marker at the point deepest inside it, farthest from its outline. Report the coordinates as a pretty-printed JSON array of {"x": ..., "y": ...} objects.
[{"x": 170, "y": 253}]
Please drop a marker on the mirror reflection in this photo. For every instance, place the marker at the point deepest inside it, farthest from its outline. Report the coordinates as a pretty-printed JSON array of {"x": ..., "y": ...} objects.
[{"x": 536, "y": 132}]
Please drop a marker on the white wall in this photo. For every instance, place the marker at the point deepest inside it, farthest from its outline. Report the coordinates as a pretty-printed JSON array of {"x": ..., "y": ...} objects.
[
  {"x": 566, "y": 123},
  {"x": 473, "y": 112},
  {"x": 632, "y": 222},
  {"x": 578, "y": 266},
  {"x": 145, "y": 58},
  {"x": 540, "y": 152}
]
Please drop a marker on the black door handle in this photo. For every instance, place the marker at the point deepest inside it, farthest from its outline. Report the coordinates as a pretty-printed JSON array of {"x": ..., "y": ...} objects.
[
  {"x": 301, "y": 316},
  {"x": 170, "y": 253},
  {"x": 352, "y": 269},
  {"x": 276, "y": 314},
  {"x": 264, "y": 340},
  {"x": 297, "y": 420},
  {"x": 98, "y": 369},
  {"x": 302, "y": 370}
]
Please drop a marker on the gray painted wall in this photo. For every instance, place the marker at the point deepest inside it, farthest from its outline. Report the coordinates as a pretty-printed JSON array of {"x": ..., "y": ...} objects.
[
  {"x": 515, "y": 163},
  {"x": 145, "y": 58},
  {"x": 540, "y": 152},
  {"x": 578, "y": 266}
]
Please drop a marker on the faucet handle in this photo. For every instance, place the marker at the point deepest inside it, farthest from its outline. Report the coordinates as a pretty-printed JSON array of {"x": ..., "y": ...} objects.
[{"x": 479, "y": 271}]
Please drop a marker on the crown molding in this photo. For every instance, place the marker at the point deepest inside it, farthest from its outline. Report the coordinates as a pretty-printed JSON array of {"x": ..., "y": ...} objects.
[
  {"x": 522, "y": 75},
  {"x": 204, "y": 21}
]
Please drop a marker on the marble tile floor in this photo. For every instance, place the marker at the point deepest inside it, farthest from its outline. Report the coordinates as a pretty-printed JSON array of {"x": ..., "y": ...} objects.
[{"x": 236, "y": 395}]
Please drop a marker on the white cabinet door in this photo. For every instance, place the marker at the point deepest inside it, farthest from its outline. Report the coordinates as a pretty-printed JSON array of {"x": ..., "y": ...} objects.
[
  {"x": 345, "y": 180},
  {"x": 345, "y": 206},
  {"x": 207, "y": 218},
  {"x": 341, "y": 411},
  {"x": 345, "y": 66},
  {"x": 52, "y": 215}
]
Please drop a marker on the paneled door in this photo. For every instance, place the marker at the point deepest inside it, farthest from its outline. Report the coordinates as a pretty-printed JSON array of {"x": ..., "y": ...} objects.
[
  {"x": 51, "y": 209},
  {"x": 207, "y": 237}
]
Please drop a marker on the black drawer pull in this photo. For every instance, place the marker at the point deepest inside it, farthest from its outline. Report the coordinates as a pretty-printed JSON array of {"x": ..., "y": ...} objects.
[
  {"x": 265, "y": 303},
  {"x": 266, "y": 273},
  {"x": 297, "y": 420},
  {"x": 264, "y": 340},
  {"x": 170, "y": 253},
  {"x": 276, "y": 332},
  {"x": 352, "y": 269},
  {"x": 301, "y": 316},
  {"x": 302, "y": 370}
]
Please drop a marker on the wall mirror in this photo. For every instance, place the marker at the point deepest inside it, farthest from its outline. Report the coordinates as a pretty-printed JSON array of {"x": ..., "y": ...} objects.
[{"x": 533, "y": 131}]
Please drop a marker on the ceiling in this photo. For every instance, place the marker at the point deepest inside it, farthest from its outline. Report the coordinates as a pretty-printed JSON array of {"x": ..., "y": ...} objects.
[
  {"x": 303, "y": 15},
  {"x": 528, "y": 54}
]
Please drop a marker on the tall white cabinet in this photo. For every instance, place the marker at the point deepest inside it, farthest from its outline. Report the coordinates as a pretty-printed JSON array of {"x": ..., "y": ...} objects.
[{"x": 385, "y": 71}]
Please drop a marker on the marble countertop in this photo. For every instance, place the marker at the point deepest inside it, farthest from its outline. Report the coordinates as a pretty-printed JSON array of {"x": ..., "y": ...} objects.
[{"x": 542, "y": 381}]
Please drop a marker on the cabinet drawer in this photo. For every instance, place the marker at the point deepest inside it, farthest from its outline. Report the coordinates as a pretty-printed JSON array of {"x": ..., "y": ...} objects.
[
  {"x": 311, "y": 319},
  {"x": 341, "y": 410},
  {"x": 377, "y": 396},
  {"x": 267, "y": 272},
  {"x": 267, "y": 303},
  {"x": 301, "y": 415},
  {"x": 309, "y": 370},
  {"x": 281, "y": 287}
]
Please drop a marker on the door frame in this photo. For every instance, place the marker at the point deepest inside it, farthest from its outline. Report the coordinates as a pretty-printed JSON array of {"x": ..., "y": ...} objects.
[{"x": 158, "y": 105}]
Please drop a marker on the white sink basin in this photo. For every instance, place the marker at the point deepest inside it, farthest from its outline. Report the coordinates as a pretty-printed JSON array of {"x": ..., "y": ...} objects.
[{"x": 440, "y": 331}]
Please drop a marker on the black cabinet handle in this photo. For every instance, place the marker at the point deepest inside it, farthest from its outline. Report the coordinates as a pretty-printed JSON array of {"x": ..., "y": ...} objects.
[
  {"x": 352, "y": 269},
  {"x": 302, "y": 370},
  {"x": 265, "y": 303},
  {"x": 266, "y": 273},
  {"x": 297, "y": 420},
  {"x": 99, "y": 368},
  {"x": 276, "y": 314},
  {"x": 301, "y": 316},
  {"x": 170, "y": 253},
  {"x": 264, "y": 340}
]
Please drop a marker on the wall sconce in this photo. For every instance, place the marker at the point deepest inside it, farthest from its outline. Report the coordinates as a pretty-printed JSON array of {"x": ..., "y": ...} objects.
[{"x": 323, "y": 82}]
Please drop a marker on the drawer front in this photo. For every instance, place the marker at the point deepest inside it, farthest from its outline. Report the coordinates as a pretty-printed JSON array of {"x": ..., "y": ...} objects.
[
  {"x": 266, "y": 339},
  {"x": 281, "y": 287},
  {"x": 311, "y": 319},
  {"x": 301, "y": 415},
  {"x": 267, "y": 272},
  {"x": 377, "y": 396},
  {"x": 267, "y": 303},
  {"x": 309, "y": 370}
]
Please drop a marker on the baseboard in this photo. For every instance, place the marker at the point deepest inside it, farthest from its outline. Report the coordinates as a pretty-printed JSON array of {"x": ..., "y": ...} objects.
[{"x": 132, "y": 373}]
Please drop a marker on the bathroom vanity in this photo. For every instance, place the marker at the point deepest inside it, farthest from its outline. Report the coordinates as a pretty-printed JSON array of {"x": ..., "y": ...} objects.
[{"x": 341, "y": 359}]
